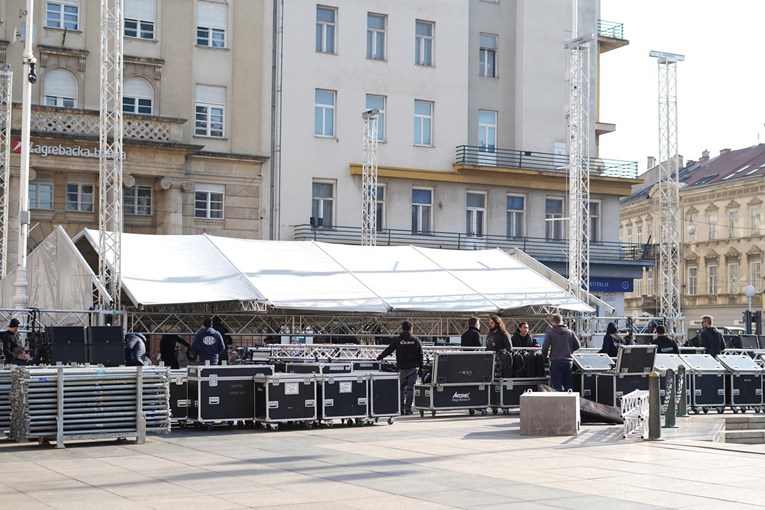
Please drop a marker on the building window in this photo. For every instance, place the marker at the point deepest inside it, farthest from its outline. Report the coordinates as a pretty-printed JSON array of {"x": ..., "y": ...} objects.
[
  {"x": 63, "y": 14},
  {"x": 140, "y": 18},
  {"x": 475, "y": 225},
  {"x": 639, "y": 233},
  {"x": 325, "y": 29},
  {"x": 693, "y": 281},
  {"x": 733, "y": 278},
  {"x": 594, "y": 222},
  {"x": 137, "y": 200},
  {"x": 712, "y": 221},
  {"x": 732, "y": 224},
  {"x": 376, "y": 36},
  {"x": 487, "y": 131},
  {"x": 488, "y": 56},
  {"x": 756, "y": 221},
  {"x": 423, "y": 123},
  {"x": 208, "y": 201},
  {"x": 691, "y": 229},
  {"x": 79, "y": 197},
  {"x": 210, "y": 109},
  {"x": 423, "y": 43},
  {"x": 422, "y": 209},
  {"x": 755, "y": 274},
  {"x": 649, "y": 281},
  {"x": 712, "y": 279},
  {"x": 323, "y": 204},
  {"x": 380, "y": 203},
  {"x": 60, "y": 89},
  {"x": 516, "y": 216},
  {"x": 629, "y": 233},
  {"x": 212, "y": 20},
  {"x": 639, "y": 286},
  {"x": 378, "y": 102},
  {"x": 324, "y": 113},
  {"x": 40, "y": 196},
  {"x": 554, "y": 219},
  {"x": 137, "y": 96}
]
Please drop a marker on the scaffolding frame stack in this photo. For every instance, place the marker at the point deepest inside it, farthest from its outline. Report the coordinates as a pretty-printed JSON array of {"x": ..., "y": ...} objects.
[
  {"x": 5, "y": 401},
  {"x": 71, "y": 403}
]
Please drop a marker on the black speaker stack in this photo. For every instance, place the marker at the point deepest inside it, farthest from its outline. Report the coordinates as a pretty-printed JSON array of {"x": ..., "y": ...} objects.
[{"x": 99, "y": 345}]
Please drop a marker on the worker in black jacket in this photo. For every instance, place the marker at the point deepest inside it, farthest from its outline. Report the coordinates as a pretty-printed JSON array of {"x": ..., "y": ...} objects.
[
  {"x": 612, "y": 341},
  {"x": 521, "y": 337},
  {"x": 408, "y": 359},
  {"x": 472, "y": 335},
  {"x": 10, "y": 339},
  {"x": 709, "y": 338},
  {"x": 665, "y": 344},
  {"x": 497, "y": 339}
]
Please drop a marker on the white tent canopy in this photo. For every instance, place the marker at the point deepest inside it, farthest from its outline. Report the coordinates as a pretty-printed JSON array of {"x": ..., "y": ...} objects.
[{"x": 312, "y": 276}]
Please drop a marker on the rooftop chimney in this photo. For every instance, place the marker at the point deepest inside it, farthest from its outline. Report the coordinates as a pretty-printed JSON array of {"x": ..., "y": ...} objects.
[
  {"x": 724, "y": 151},
  {"x": 704, "y": 155},
  {"x": 651, "y": 162}
]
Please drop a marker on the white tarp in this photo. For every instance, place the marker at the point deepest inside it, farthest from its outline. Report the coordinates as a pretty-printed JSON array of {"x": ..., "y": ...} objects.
[
  {"x": 311, "y": 276},
  {"x": 59, "y": 277}
]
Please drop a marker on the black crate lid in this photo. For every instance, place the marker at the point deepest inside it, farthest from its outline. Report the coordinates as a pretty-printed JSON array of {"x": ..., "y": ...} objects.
[{"x": 635, "y": 359}]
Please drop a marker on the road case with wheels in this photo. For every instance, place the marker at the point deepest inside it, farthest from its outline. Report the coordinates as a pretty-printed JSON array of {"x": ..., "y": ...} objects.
[
  {"x": 343, "y": 397},
  {"x": 666, "y": 362},
  {"x": 463, "y": 367},
  {"x": 506, "y": 393},
  {"x": 744, "y": 389},
  {"x": 588, "y": 366},
  {"x": 179, "y": 396},
  {"x": 708, "y": 381},
  {"x": 451, "y": 397},
  {"x": 282, "y": 398},
  {"x": 611, "y": 387},
  {"x": 223, "y": 393}
]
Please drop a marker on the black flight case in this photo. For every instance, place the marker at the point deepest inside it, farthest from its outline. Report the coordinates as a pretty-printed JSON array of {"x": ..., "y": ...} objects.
[
  {"x": 588, "y": 366},
  {"x": 633, "y": 364},
  {"x": 223, "y": 393},
  {"x": 283, "y": 398},
  {"x": 383, "y": 390},
  {"x": 506, "y": 392},
  {"x": 744, "y": 389},
  {"x": 708, "y": 382},
  {"x": 460, "y": 380},
  {"x": 666, "y": 362},
  {"x": 179, "y": 396}
]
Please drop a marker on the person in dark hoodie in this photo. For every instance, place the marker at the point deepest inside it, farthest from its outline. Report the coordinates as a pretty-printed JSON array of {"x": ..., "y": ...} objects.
[
  {"x": 408, "y": 359},
  {"x": 560, "y": 343},
  {"x": 521, "y": 337},
  {"x": 665, "y": 344},
  {"x": 497, "y": 339},
  {"x": 208, "y": 343},
  {"x": 472, "y": 335},
  {"x": 709, "y": 338},
  {"x": 612, "y": 341}
]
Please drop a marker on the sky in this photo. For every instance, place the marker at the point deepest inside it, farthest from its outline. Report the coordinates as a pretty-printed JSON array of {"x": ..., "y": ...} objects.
[{"x": 720, "y": 85}]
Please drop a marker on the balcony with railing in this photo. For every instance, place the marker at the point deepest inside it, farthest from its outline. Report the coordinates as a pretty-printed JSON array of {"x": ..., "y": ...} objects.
[
  {"x": 610, "y": 35},
  {"x": 471, "y": 155},
  {"x": 545, "y": 250}
]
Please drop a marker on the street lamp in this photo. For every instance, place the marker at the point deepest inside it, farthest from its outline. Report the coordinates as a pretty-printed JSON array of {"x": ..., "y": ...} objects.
[{"x": 749, "y": 292}]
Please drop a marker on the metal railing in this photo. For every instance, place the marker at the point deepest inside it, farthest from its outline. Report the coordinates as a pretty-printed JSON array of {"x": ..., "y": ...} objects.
[
  {"x": 538, "y": 247},
  {"x": 610, "y": 29},
  {"x": 531, "y": 160}
]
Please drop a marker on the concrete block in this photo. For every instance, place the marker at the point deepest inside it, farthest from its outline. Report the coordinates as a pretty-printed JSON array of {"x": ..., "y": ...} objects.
[{"x": 550, "y": 414}]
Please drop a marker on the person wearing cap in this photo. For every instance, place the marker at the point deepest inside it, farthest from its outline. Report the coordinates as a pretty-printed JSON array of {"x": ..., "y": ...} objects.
[
  {"x": 11, "y": 339},
  {"x": 408, "y": 359}
]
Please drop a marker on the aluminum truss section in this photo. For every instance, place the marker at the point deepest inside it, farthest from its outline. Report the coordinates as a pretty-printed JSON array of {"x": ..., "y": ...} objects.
[
  {"x": 579, "y": 166},
  {"x": 111, "y": 155},
  {"x": 340, "y": 352},
  {"x": 369, "y": 179},
  {"x": 669, "y": 191},
  {"x": 6, "y": 107}
]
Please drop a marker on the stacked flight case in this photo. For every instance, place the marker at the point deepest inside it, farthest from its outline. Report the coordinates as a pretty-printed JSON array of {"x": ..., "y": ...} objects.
[
  {"x": 588, "y": 366},
  {"x": 179, "y": 396},
  {"x": 708, "y": 382},
  {"x": 383, "y": 391},
  {"x": 461, "y": 380},
  {"x": 223, "y": 393},
  {"x": 341, "y": 393},
  {"x": 633, "y": 364},
  {"x": 744, "y": 382},
  {"x": 283, "y": 398},
  {"x": 666, "y": 362}
]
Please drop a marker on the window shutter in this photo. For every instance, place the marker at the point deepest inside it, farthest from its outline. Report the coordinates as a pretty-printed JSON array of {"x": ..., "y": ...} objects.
[
  {"x": 60, "y": 83},
  {"x": 211, "y": 95},
  {"x": 144, "y": 10},
  {"x": 212, "y": 15},
  {"x": 137, "y": 87}
]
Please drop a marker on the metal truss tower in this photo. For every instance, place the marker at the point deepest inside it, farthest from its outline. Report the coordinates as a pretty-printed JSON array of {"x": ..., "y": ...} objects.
[
  {"x": 669, "y": 190},
  {"x": 110, "y": 157},
  {"x": 6, "y": 80},
  {"x": 579, "y": 163},
  {"x": 369, "y": 179}
]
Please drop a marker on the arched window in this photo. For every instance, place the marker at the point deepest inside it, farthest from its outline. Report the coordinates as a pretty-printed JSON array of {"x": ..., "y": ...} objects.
[
  {"x": 60, "y": 89},
  {"x": 137, "y": 96}
]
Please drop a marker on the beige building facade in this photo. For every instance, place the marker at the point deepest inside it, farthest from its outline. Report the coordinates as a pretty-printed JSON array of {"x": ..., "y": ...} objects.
[{"x": 197, "y": 95}]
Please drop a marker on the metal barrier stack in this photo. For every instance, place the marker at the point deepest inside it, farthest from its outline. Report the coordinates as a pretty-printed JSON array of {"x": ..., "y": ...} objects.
[
  {"x": 68, "y": 403},
  {"x": 5, "y": 401},
  {"x": 635, "y": 413}
]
